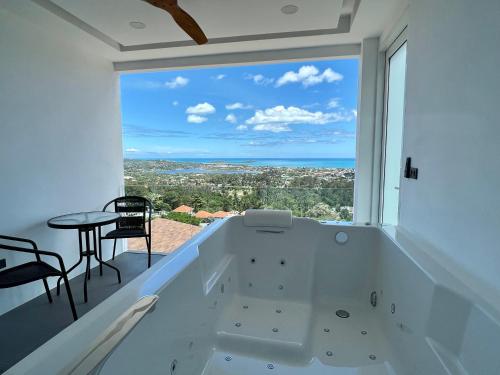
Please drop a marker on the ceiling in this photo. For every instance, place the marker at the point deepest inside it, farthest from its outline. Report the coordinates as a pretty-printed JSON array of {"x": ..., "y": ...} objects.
[
  {"x": 232, "y": 26},
  {"x": 218, "y": 18}
]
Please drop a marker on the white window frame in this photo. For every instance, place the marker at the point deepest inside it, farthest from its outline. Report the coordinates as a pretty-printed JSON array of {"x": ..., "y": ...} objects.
[
  {"x": 361, "y": 206},
  {"x": 400, "y": 40}
]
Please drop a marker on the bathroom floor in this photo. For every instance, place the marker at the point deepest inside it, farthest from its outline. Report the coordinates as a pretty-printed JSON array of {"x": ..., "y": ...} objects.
[{"x": 258, "y": 336}]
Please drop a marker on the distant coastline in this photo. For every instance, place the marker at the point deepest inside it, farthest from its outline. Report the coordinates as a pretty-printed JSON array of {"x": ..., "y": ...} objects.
[{"x": 268, "y": 162}]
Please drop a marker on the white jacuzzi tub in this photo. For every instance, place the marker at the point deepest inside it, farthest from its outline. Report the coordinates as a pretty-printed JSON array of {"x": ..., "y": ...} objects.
[{"x": 249, "y": 300}]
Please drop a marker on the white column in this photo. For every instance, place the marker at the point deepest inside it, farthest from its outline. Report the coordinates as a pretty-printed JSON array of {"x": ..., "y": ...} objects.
[{"x": 367, "y": 135}]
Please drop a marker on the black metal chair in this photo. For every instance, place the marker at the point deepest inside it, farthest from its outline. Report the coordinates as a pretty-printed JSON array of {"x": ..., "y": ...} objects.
[
  {"x": 135, "y": 215},
  {"x": 33, "y": 271}
]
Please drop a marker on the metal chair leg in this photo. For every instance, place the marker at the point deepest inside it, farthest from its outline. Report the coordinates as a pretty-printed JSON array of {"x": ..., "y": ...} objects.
[
  {"x": 70, "y": 296},
  {"x": 148, "y": 242},
  {"x": 47, "y": 290},
  {"x": 114, "y": 249}
]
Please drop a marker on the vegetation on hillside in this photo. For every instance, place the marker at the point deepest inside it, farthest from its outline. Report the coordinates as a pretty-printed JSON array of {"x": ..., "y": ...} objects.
[
  {"x": 325, "y": 194},
  {"x": 182, "y": 218}
]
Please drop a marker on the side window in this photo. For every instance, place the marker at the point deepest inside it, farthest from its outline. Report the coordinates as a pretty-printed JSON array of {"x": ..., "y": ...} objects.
[{"x": 393, "y": 132}]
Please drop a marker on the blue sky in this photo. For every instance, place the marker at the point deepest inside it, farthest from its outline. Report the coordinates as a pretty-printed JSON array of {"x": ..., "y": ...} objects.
[{"x": 291, "y": 110}]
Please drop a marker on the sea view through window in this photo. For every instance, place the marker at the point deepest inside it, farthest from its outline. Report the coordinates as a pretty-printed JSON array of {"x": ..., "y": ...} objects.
[{"x": 205, "y": 144}]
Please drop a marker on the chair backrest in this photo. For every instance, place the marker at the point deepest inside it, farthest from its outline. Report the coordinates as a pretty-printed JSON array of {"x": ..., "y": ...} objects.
[
  {"x": 6, "y": 246},
  {"x": 134, "y": 212}
]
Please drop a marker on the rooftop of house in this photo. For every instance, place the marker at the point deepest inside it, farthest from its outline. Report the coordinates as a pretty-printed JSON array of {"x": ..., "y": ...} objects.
[
  {"x": 221, "y": 214},
  {"x": 203, "y": 215},
  {"x": 185, "y": 209},
  {"x": 168, "y": 235}
]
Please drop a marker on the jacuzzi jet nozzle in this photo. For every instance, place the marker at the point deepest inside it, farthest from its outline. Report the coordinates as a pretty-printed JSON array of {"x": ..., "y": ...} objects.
[{"x": 342, "y": 314}]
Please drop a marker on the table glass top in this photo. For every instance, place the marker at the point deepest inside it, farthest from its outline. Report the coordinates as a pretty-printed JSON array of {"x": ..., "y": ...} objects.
[{"x": 84, "y": 219}]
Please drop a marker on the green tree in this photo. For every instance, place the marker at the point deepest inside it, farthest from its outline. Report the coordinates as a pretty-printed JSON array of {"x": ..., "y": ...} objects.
[
  {"x": 320, "y": 210},
  {"x": 182, "y": 218},
  {"x": 196, "y": 202},
  {"x": 345, "y": 215}
]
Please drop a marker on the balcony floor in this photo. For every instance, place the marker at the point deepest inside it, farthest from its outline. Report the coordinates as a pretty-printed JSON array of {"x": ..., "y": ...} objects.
[{"x": 28, "y": 326}]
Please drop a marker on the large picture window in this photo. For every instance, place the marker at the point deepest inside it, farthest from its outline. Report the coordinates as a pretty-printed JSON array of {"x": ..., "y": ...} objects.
[{"x": 204, "y": 144}]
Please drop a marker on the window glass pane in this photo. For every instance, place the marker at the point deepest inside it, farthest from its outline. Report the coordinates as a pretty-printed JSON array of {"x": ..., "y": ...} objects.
[
  {"x": 205, "y": 144},
  {"x": 394, "y": 135}
]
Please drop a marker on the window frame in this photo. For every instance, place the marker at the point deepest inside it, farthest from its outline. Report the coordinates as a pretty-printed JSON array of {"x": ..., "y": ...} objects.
[{"x": 393, "y": 48}]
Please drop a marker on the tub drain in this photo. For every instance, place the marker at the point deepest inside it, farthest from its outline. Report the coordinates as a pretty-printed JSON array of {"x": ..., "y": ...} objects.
[{"x": 342, "y": 314}]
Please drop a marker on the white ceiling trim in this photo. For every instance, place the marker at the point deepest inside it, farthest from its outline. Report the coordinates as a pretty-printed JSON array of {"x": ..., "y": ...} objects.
[
  {"x": 344, "y": 26},
  {"x": 242, "y": 58}
]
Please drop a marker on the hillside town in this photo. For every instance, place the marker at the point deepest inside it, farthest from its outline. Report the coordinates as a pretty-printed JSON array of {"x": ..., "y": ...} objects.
[{"x": 188, "y": 196}]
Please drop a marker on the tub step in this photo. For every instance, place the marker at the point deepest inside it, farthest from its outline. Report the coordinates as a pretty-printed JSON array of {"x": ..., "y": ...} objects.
[
  {"x": 235, "y": 364},
  {"x": 265, "y": 327}
]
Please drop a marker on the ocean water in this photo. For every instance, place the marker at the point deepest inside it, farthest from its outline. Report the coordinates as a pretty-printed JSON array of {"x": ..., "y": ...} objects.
[
  {"x": 202, "y": 171},
  {"x": 277, "y": 162}
]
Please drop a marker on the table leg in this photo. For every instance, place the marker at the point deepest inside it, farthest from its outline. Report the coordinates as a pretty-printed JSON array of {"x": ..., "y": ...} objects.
[
  {"x": 98, "y": 257},
  {"x": 87, "y": 271},
  {"x": 100, "y": 249},
  {"x": 73, "y": 266}
]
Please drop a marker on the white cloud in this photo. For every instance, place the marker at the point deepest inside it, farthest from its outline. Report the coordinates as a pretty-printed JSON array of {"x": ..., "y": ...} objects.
[
  {"x": 201, "y": 109},
  {"x": 334, "y": 103},
  {"x": 231, "y": 118},
  {"x": 259, "y": 79},
  {"x": 242, "y": 127},
  {"x": 309, "y": 75},
  {"x": 294, "y": 115},
  {"x": 175, "y": 103},
  {"x": 274, "y": 128},
  {"x": 177, "y": 82},
  {"x": 220, "y": 76},
  {"x": 237, "y": 105},
  {"x": 195, "y": 119},
  {"x": 131, "y": 149}
]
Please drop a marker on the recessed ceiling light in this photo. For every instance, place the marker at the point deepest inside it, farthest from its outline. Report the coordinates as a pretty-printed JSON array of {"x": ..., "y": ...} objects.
[
  {"x": 137, "y": 25},
  {"x": 289, "y": 9}
]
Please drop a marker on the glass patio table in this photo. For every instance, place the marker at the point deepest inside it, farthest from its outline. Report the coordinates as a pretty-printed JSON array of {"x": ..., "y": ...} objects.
[{"x": 86, "y": 223}]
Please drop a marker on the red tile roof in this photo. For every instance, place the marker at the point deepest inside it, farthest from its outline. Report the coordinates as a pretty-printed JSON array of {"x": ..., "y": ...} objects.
[
  {"x": 203, "y": 215},
  {"x": 184, "y": 208},
  {"x": 221, "y": 214},
  {"x": 167, "y": 235}
]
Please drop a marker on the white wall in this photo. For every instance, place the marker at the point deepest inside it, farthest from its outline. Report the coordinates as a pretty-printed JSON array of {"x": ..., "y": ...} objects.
[
  {"x": 60, "y": 139},
  {"x": 452, "y": 133}
]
